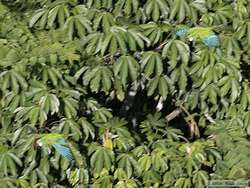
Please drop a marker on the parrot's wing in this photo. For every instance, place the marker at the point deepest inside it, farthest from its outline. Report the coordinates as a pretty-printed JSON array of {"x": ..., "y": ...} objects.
[
  {"x": 200, "y": 32},
  {"x": 63, "y": 150},
  {"x": 212, "y": 41}
]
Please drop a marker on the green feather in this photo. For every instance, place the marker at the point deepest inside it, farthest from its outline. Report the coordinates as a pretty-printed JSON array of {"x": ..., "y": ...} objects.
[
  {"x": 58, "y": 142},
  {"x": 200, "y": 32},
  {"x": 50, "y": 138}
]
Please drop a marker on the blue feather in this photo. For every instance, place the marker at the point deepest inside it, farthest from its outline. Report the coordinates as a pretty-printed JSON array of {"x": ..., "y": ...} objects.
[
  {"x": 61, "y": 141},
  {"x": 181, "y": 32},
  {"x": 64, "y": 151},
  {"x": 212, "y": 41}
]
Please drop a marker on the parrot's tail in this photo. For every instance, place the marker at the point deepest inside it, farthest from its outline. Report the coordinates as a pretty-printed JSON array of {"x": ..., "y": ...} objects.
[{"x": 212, "y": 41}]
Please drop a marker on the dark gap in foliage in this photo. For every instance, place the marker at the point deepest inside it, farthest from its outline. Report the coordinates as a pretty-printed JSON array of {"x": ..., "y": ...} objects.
[{"x": 245, "y": 70}]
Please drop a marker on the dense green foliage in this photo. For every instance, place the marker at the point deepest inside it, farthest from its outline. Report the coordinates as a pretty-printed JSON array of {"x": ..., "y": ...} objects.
[{"x": 139, "y": 106}]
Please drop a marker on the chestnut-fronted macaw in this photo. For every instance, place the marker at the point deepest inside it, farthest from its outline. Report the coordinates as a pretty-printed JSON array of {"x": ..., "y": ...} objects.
[
  {"x": 107, "y": 140},
  {"x": 57, "y": 141},
  {"x": 205, "y": 34}
]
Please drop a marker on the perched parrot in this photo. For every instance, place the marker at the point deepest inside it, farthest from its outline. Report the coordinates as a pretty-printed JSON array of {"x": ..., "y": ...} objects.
[
  {"x": 107, "y": 140},
  {"x": 57, "y": 141},
  {"x": 205, "y": 34}
]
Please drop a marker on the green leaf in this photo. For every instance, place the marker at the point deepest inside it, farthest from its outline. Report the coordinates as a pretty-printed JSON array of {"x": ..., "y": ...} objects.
[
  {"x": 36, "y": 17},
  {"x": 126, "y": 66}
]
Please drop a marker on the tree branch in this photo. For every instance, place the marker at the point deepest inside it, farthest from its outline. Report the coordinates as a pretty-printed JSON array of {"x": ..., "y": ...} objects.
[
  {"x": 193, "y": 127},
  {"x": 173, "y": 114},
  {"x": 209, "y": 118}
]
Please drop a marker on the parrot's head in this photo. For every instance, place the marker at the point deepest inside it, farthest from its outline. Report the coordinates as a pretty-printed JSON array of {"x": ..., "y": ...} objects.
[
  {"x": 37, "y": 142},
  {"x": 180, "y": 32}
]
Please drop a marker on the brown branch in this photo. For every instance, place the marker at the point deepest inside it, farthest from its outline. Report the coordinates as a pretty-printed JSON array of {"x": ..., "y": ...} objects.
[
  {"x": 209, "y": 118},
  {"x": 186, "y": 140},
  {"x": 160, "y": 47},
  {"x": 185, "y": 110},
  {"x": 173, "y": 114},
  {"x": 193, "y": 127}
]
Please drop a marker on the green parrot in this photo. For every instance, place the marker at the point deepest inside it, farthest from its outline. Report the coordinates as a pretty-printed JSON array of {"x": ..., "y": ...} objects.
[
  {"x": 204, "y": 34},
  {"x": 57, "y": 141}
]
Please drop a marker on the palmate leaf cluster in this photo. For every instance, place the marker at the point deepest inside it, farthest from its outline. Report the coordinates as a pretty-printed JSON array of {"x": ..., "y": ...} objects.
[{"x": 109, "y": 75}]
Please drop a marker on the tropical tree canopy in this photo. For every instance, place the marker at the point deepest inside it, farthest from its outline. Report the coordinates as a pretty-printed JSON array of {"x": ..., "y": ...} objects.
[{"x": 124, "y": 93}]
